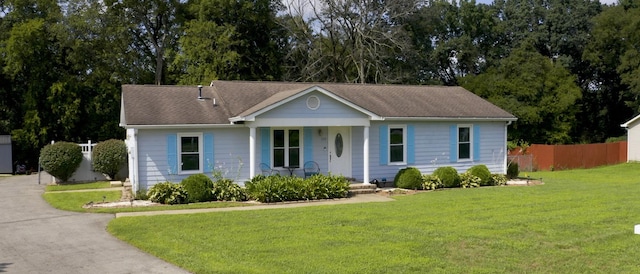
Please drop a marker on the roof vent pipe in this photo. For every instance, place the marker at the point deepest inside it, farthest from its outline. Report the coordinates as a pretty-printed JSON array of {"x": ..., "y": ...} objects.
[{"x": 199, "y": 92}]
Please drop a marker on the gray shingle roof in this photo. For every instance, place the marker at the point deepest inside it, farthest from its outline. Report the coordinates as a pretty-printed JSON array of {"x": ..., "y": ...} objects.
[{"x": 169, "y": 105}]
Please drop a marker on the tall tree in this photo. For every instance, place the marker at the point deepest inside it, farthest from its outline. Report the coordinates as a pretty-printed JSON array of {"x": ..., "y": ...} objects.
[
  {"x": 612, "y": 91},
  {"x": 227, "y": 39},
  {"x": 153, "y": 26},
  {"x": 540, "y": 93}
]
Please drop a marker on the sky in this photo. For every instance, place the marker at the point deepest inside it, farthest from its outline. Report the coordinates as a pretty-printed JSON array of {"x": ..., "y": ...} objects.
[{"x": 608, "y": 2}]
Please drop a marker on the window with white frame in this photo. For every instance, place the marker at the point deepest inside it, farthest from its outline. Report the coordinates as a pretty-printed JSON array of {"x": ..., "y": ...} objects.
[
  {"x": 397, "y": 144},
  {"x": 464, "y": 142},
  {"x": 286, "y": 148},
  {"x": 190, "y": 152}
]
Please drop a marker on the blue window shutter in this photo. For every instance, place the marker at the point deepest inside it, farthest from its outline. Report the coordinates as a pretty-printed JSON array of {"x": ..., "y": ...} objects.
[
  {"x": 265, "y": 145},
  {"x": 411, "y": 147},
  {"x": 384, "y": 145},
  {"x": 308, "y": 144},
  {"x": 172, "y": 153},
  {"x": 476, "y": 142},
  {"x": 453, "y": 143},
  {"x": 209, "y": 162}
]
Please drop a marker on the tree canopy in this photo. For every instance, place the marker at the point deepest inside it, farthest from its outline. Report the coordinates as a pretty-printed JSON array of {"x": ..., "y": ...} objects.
[{"x": 568, "y": 69}]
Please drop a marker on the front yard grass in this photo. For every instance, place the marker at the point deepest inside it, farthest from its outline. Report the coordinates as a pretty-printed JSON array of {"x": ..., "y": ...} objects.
[
  {"x": 73, "y": 201},
  {"x": 81, "y": 186},
  {"x": 579, "y": 221}
]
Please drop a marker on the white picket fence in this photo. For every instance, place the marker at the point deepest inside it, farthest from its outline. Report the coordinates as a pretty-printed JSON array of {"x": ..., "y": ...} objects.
[{"x": 85, "y": 172}]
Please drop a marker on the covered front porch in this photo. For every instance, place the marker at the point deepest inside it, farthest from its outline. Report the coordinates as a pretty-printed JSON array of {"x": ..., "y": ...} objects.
[{"x": 337, "y": 150}]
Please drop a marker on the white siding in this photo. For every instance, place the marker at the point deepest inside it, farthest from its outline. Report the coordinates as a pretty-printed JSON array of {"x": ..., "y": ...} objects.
[{"x": 633, "y": 142}]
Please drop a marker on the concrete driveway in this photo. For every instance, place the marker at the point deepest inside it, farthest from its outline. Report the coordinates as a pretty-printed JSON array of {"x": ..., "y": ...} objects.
[{"x": 36, "y": 238}]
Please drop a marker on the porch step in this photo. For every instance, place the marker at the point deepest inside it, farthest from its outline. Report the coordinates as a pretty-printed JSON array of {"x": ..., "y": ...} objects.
[{"x": 358, "y": 189}]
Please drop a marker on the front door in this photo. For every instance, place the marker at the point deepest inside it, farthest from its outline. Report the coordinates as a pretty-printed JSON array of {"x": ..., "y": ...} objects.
[{"x": 340, "y": 151}]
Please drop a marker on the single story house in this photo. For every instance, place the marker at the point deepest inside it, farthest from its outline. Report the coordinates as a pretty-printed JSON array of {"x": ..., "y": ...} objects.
[
  {"x": 633, "y": 139},
  {"x": 360, "y": 131}
]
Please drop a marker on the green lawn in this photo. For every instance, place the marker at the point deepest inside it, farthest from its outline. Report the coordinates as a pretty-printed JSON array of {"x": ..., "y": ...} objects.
[
  {"x": 577, "y": 222},
  {"x": 81, "y": 186},
  {"x": 73, "y": 201}
]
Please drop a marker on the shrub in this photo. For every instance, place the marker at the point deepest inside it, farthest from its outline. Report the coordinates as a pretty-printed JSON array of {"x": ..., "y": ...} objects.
[
  {"x": 468, "y": 180},
  {"x": 409, "y": 178},
  {"x": 142, "y": 194},
  {"x": 61, "y": 159},
  {"x": 198, "y": 187},
  {"x": 285, "y": 188},
  {"x": 482, "y": 172},
  {"x": 109, "y": 156},
  {"x": 513, "y": 170},
  {"x": 325, "y": 187},
  {"x": 431, "y": 182},
  {"x": 448, "y": 175},
  {"x": 498, "y": 179},
  {"x": 227, "y": 190},
  {"x": 168, "y": 193}
]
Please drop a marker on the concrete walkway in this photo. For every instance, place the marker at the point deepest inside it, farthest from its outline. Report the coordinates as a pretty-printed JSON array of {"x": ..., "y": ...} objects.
[
  {"x": 364, "y": 198},
  {"x": 36, "y": 238}
]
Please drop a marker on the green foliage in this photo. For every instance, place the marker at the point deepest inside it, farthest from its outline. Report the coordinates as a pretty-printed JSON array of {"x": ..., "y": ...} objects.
[
  {"x": 498, "y": 179},
  {"x": 482, "y": 172},
  {"x": 278, "y": 188},
  {"x": 325, "y": 187},
  {"x": 198, "y": 188},
  {"x": 168, "y": 193},
  {"x": 61, "y": 159},
  {"x": 141, "y": 194},
  {"x": 227, "y": 190},
  {"x": 616, "y": 139},
  {"x": 448, "y": 175},
  {"x": 542, "y": 94},
  {"x": 409, "y": 178},
  {"x": 109, "y": 157},
  {"x": 468, "y": 180},
  {"x": 431, "y": 182},
  {"x": 513, "y": 170}
]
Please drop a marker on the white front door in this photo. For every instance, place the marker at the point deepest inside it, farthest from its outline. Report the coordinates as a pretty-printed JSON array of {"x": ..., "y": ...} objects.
[{"x": 340, "y": 151}]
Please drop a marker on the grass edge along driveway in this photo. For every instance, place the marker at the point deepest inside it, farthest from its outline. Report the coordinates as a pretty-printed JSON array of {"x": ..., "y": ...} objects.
[{"x": 578, "y": 221}]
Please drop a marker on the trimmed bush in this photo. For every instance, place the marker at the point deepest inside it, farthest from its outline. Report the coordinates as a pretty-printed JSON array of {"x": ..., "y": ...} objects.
[
  {"x": 109, "y": 157},
  {"x": 61, "y": 159},
  {"x": 482, "y": 172},
  {"x": 408, "y": 178},
  {"x": 227, "y": 190},
  {"x": 278, "y": 188},
  {"x": 468, "y": 180},
  {"x": 431, "y": 182},
  {"x": 448, "y": 175},
  {"x": 513, "y": 170},
  {"x": 498, "y": 179},
  {"x": 168, "y": 193},
  {"x": 198, "y": 188}
]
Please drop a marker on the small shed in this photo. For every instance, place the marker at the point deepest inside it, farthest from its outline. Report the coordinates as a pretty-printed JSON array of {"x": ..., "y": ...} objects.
[
  {"x": 6, "y": 159},
  {"x": 633, "y": 139}
]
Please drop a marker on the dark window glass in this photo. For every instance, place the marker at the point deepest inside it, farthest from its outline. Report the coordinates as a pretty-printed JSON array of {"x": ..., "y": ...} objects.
[
  {"x": 190, "y": 144},
  {"x": 190, "y": 162},
  {"x": 294, "y": 138},
  {"x": 396, "y": 146},
  {"x": 294, "y": 157},
  {"x": 278, "y": 138},
  {"x": 464, "y": 144},
  {"x": 278, "y": 157},
  {"x": 396, "y": 154}
]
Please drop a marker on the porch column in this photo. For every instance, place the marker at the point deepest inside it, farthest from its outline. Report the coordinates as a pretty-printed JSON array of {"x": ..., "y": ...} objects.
[
  {"x": 252, "y": 152},
  {"x": 365, "y": 155}
]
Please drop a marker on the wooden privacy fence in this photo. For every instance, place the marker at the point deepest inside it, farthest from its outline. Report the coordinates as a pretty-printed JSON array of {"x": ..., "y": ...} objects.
[{"x": 558, "y": 157}]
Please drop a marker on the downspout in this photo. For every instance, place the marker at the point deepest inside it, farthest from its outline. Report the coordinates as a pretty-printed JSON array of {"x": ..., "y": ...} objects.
[{"x": 506, "y": 154}]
